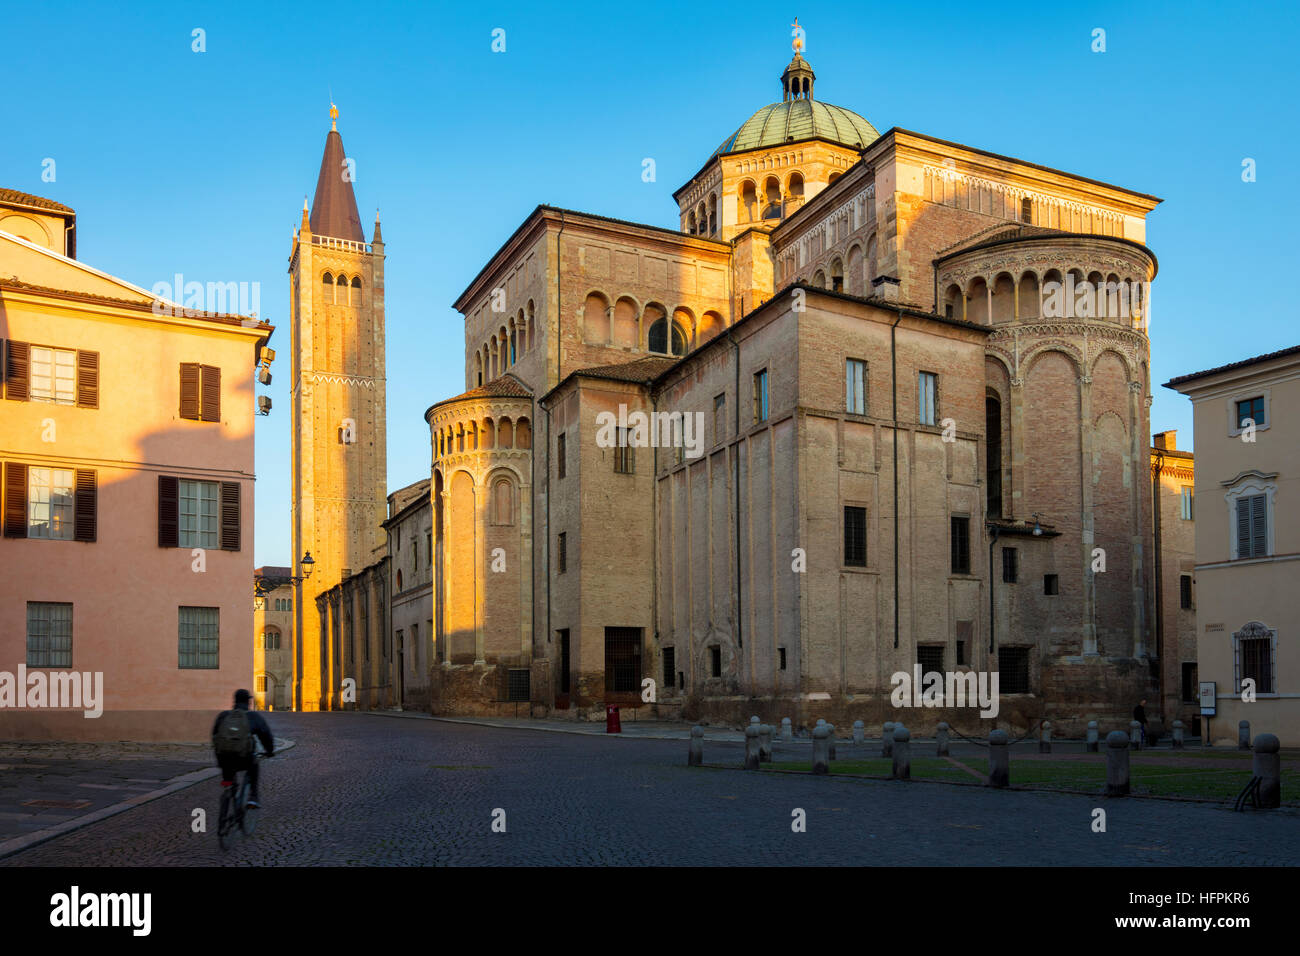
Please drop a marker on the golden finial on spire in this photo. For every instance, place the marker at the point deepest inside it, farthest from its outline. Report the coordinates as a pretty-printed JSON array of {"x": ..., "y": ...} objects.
[
  {"x": 334, "y": 116},
  {"x": 797, "y": 33}
]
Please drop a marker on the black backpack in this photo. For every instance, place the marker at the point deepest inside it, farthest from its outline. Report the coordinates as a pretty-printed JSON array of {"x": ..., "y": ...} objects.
[{"x": 234, "y": 736}]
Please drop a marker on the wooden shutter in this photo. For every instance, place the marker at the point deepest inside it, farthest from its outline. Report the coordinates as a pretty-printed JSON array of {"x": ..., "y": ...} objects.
[
  {"x": 87, "y": 379},
  {"x": 15, "y": 499},
  {"x": 190, "y": 390},
  {"x": 85, "y": 509},
  {"x": 17, "y": 370},
  {"x": 230, "y": 516},
  {"x": 169, "y": 518},
  {"x": 1243, "y": 527},
  {"x": 211, "y": 393},
  {"x": 1259, "y": 525}
]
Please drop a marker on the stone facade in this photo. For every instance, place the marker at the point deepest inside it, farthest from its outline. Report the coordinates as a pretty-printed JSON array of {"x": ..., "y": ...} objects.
[
  {"x": 272, "y": 638},
  {"x": 339, "y": 432},
  {"x": 998, "y": 451}
]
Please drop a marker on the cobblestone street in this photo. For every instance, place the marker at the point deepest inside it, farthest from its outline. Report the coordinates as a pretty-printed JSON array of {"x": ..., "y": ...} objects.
[{"x": 369, "y": 790}]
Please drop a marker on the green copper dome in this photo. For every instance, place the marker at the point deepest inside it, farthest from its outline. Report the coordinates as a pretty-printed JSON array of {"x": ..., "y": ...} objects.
[{"x": 797, "y": 119}]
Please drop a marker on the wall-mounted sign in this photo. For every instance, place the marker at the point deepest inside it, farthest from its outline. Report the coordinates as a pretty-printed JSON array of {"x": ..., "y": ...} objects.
[
  {"x": 1207, "y": 698},
  {"x": 1213, "y": 628}
]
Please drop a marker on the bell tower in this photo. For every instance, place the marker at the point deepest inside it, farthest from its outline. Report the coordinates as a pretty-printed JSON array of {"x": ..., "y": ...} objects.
[{"x": 339, "y": 437}]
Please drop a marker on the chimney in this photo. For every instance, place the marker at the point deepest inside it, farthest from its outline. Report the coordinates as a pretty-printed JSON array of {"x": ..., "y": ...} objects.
[
  {"x": 1165, "y": 441},
  {"x": 885, "y": 287}
]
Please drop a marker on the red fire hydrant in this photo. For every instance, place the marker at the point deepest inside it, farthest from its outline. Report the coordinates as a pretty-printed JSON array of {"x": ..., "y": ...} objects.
[{"x": 612, "y": 724}]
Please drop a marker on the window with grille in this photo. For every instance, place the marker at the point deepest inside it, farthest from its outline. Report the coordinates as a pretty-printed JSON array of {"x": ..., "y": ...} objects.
[
  {"x": 622, "y": 659},
  {"x": 50, "y": 498},
  {"x": 1256, "y": 656},
  {"x": 1185, "y": 591},
  {"x": 518, "y": 685},
  {"x": 1252, "y": 526},
  {"x": 781, "y": 651},
  {"x": 260, "y": 685},
  {"x": 1010, "y": 565},
  {"x": 623, "y": 461},
  {"x": 199, "y": 637},
  {"x": 1013, "y": 670},
  {"x": 1249, "y": 408},
  {"x": 855, "y": 536},
  {"x": 930, "y": 657},
  {"x": 855, "y": 386},
  {"x": 927, "y": 398},
  {"x": 49, "y": 634},
  {"x": 670, "y": 665},
  {"x": 960, "y": 535},
  {"x": 198, "y": 514}
]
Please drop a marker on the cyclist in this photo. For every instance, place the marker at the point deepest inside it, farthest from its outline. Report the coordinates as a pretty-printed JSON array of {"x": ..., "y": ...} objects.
[{"x": 232, "y": 740}]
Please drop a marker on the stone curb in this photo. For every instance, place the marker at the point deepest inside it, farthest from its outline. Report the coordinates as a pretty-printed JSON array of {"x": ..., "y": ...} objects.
[
  {"x": 27, "y": 841},
  {"x": 684, "y": 735}
]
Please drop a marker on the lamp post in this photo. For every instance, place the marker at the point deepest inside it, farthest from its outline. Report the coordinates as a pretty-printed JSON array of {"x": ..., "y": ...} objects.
[{"x": 265, "y": 585}]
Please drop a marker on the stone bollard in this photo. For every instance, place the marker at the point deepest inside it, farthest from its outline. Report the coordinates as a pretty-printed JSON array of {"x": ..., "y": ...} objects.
[
  {"x": 751, "y": 747},
  {"x": 859, "y": 731},
  {"x": 830, "y": 728},
  {"x": 902, "y": 753},
  {"x": 1268, "y": 767},
  {"x": 787, "y": 729},
  {"x": 1045, "y": 738},
  {"x": 821, "y": 750},
  {"x": 999, "y": 759},
  {"x": 941, "y": 737},
  {"x": 1134, "y": 735},
  {"x": 1243, "y": 735},
  {"x": 1178, "y": 735},
  {"x": 764, "y": 743},
  {"x": 1092, "y": 737},
  {"x": 887, "y": 739},
  {"x": 1117, "y": 764},
  {"x": 696, "y": 758}
]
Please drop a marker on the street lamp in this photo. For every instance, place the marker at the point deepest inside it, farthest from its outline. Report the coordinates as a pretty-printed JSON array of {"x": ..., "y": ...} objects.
[
  {"x": 265, "y": 585},
  {"x": 1038, "y": 529}
]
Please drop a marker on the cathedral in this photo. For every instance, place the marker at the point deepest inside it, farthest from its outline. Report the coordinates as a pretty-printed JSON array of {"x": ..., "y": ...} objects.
[{"x": 877, "y": 441}]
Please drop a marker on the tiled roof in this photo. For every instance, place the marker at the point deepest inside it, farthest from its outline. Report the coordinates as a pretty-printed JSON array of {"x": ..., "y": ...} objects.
[
  {"x": 27, "y": 199},
  {"x": 640, "y": 370},
  {"x": 1280, "y": 353},
  {"x": 507, "y": 386},
  {"x": 272, "y": 571},
  {"x": 796, "y": 120},
  {"x": 12, "y": 282}
]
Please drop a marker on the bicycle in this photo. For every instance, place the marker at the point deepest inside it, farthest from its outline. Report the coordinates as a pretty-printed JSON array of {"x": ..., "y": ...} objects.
[{"x": 235, "y": 811}]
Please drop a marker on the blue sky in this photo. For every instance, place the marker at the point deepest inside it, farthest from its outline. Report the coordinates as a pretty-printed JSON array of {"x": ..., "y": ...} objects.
[{"x": 178, "y": 161}]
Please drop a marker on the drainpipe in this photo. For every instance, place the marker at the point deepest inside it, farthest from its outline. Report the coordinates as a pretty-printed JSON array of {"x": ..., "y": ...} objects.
[
  {"x": 1159, "y": 589},
  {"x": 893, "y": 374},
  {"x": 993, "y": 539},
  {"x": 740, "y": 628},
  {"x": 559, "y": 319}
]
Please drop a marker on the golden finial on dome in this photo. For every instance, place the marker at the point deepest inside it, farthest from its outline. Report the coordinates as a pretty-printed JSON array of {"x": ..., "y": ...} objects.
[{"x": 797, "y": 33}]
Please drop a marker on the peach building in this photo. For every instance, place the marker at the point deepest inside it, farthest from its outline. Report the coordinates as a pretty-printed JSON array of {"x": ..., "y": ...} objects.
[
  {"x": 1247, "y": 543},
  {"x": 126, "y": 438}
]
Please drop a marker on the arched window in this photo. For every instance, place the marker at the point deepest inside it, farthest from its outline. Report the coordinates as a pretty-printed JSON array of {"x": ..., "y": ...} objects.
[
  {"x": 478, "y": 368},
  {"x": 514, "y": 337},
  {"x": 354, "y": 296},
  {"x": 503, "y": 504},
  {"x": 993, "y": 466},
  {"x": 327, "y": 283},
  {"x": 658, "y": 338},
  {"x": 713, "y": 213},
  {"x": 747, "y": 206},
  {"x": 530, "y": 342},
  {"x": 341, "y": 289},
  {"x": 690, "y": 223},
  {"x": 399, "y": 579}
]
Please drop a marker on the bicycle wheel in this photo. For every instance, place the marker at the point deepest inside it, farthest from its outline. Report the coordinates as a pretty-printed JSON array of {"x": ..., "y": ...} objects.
[
  {"x": 247, "y": 817},
  {"x": 226, "y": 818}
]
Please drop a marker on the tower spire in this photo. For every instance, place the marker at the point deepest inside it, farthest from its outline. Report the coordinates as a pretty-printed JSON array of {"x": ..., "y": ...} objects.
[
  {"x": 797, "y": 80},
  {"x": 334, "y": 208}
]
